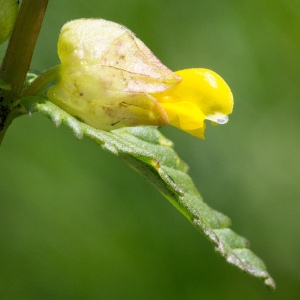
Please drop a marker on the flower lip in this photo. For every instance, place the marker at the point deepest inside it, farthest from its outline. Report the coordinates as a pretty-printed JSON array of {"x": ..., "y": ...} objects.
[{"x": 201, "y": 95}]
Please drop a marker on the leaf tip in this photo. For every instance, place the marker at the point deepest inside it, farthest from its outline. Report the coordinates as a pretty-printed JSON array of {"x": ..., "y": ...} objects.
[{"x": 269, "y": 281}]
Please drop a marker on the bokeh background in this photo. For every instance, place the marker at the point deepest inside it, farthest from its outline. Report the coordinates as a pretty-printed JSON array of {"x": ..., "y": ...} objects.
[{"x": 77, "y": 223}]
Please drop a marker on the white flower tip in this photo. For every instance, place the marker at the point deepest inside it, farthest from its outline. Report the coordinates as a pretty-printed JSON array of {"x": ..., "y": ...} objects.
[{"x": 218, "y": 118}]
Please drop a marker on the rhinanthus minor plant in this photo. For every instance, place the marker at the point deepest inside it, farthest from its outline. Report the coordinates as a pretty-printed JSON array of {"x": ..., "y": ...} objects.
[{"x": 110, "y": 87}]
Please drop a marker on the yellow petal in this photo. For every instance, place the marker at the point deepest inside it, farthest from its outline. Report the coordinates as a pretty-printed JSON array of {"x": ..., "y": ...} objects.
[
  {"x": 179, "y": 114},
  {"x": 202, "y": 94}
]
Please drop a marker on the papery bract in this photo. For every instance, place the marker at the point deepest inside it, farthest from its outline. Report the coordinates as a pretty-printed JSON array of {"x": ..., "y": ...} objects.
[{"x": 106, "y": 75}]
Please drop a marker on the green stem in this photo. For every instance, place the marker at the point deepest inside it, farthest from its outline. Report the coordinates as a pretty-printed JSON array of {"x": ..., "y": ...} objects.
[
  {"x": 14, "y": 113},
  {"x": 21, "y": 46},
  {"x": 19, "y": 53}
]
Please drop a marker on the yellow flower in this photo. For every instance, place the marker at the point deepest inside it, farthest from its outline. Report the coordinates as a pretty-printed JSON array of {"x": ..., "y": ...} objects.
[
  {"x": 109, "y": 79},
  {"x": 202, "y": 94}
]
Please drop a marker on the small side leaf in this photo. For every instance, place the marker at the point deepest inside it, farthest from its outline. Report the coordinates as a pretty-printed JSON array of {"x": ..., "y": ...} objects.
[
  {"x": 152, "y": 155},
  {"x": 4, "y": 85}
]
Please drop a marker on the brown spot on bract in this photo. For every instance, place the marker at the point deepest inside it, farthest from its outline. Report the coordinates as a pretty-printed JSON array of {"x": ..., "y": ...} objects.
[
  {"x": 155, "y": 164},
  {"x": 115, "y": 123}
]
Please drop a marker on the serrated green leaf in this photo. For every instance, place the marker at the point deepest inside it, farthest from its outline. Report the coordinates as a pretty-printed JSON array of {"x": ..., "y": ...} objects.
[{"x": 152, "y": 155}]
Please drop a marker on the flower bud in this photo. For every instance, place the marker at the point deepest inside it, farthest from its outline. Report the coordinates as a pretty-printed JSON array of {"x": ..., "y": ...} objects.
[
  {"x": 107, "y": 74},
  {"x": 109, "y": 79},
  {"x": 8, "y": 15}
]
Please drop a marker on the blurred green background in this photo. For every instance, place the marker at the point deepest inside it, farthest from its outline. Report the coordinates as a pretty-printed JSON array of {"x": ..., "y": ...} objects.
[{"x": 77, "y": 223}]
